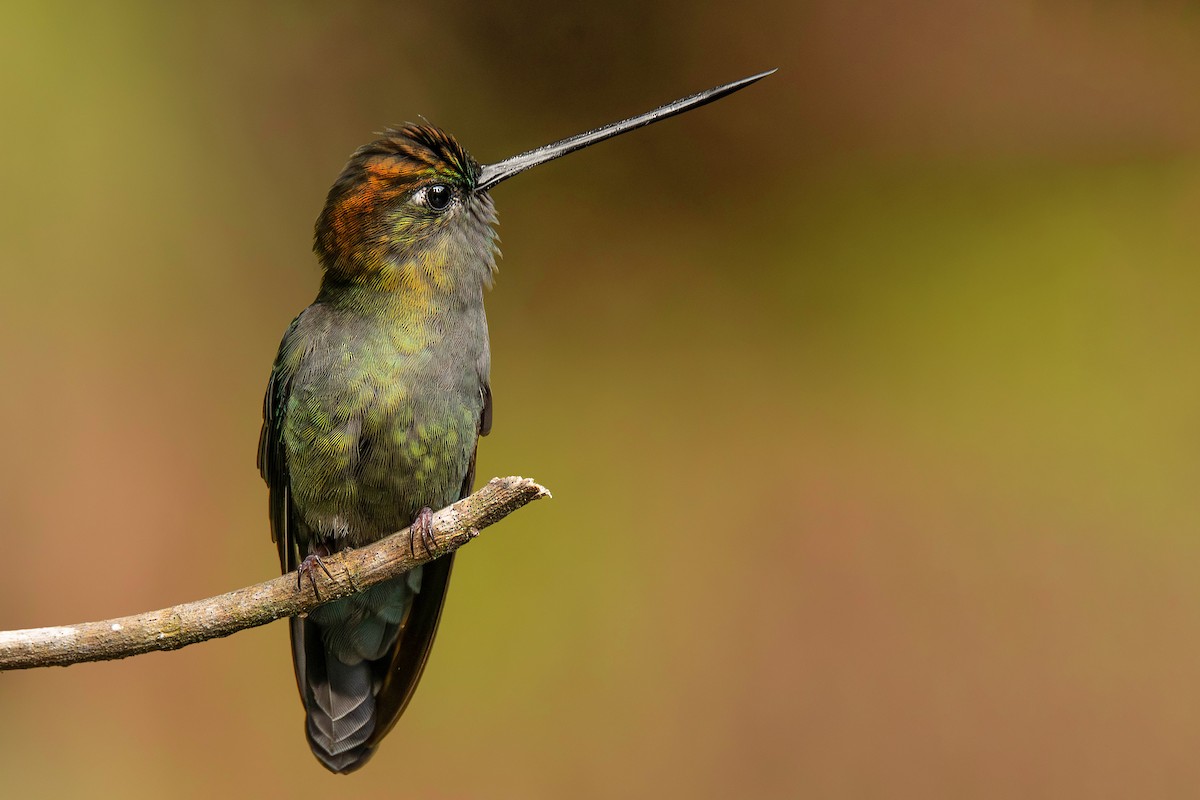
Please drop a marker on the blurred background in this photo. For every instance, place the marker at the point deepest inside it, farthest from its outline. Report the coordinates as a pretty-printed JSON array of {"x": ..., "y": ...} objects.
[{"x": 869, "y": 396}]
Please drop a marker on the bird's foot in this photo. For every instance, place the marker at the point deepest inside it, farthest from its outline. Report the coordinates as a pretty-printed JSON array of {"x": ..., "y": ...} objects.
[
  {"x": 309, "y": 566},
  {"x": 422, "y": 528}
]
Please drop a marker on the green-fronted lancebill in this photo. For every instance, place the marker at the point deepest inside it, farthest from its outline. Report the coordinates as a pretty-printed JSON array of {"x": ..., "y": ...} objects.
[{"x": 376, "y": 402}]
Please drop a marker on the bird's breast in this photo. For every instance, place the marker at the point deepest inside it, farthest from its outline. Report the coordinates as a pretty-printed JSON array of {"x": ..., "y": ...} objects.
[{"x": 381, "y": 423}]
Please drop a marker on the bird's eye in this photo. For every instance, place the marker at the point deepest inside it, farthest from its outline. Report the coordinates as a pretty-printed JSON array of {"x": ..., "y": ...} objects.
[{"x": 438, "y": 196}]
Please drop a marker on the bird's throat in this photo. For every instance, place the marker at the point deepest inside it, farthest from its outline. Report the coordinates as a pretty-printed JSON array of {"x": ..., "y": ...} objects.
[{"x": 408, "y": 289}]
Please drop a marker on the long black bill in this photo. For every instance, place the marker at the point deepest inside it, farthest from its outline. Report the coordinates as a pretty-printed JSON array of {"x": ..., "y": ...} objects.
[{"x": 491, "y": 174}]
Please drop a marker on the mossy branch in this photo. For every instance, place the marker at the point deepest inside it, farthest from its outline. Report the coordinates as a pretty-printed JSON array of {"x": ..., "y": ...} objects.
[{"x": 351, "y": 570}]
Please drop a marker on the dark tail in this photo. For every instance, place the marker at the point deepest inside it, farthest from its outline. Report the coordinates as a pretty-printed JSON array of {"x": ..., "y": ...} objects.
[
  {"x": 358, "y": 662},
  {"x": 339, "y": 700}
]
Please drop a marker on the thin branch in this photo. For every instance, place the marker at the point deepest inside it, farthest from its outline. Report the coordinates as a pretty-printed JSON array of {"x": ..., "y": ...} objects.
[{"x": 352, "y": 571}]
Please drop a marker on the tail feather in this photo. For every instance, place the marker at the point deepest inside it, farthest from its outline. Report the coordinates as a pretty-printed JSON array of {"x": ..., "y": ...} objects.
[
  {"x": 358, "y": 661},
  {"x": 339, "y": 700},
  {"x": 341, "y": 710}
]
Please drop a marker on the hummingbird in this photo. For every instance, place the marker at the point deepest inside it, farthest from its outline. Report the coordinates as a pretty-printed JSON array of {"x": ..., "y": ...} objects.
[{"x": 376, "y": 402}]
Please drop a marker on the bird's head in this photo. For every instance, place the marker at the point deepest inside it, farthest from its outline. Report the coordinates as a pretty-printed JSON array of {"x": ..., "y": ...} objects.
[{"x": 406, "y": 208}]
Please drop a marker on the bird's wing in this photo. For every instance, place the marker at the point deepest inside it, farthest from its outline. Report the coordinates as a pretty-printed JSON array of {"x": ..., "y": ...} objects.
[
  {"x": 485, "y": 427},
  {"x": 272, "y": 459},
  {"x": 415, "y": 639}
]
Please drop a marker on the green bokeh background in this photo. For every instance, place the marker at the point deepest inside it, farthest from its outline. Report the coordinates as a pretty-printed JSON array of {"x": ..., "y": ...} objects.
[{"x": 869, "y": 396}]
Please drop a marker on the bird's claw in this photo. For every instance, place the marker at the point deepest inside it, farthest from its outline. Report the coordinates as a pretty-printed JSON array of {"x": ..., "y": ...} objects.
[
  {"x": 307, "y": 567},
  {"x": 422, "y": 528}
]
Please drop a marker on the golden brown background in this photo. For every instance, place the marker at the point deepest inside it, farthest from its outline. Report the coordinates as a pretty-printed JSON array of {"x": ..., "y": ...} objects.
[{"x": 870, "y": 396}]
